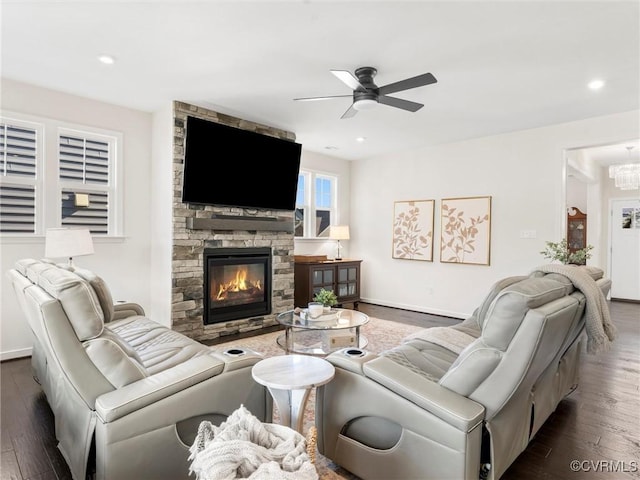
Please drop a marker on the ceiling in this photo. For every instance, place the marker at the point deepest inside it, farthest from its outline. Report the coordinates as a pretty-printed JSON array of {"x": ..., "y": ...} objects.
[{"x": 501, "y": 66}]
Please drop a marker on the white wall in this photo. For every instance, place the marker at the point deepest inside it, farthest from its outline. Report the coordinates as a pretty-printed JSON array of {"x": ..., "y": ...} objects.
[
  {"x": 576, "y": 194},
  {"x": 124, "y": 263},
  {"x": 522, "y": 171},
  {"x": 161, "y": 213},
  {"x": 341, "y": 168}
]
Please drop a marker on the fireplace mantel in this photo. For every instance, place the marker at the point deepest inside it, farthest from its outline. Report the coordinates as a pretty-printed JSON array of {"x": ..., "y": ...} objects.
[{"x": 229, "y": 222}]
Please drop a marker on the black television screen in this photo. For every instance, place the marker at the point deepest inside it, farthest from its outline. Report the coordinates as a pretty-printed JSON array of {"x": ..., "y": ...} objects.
[{"x": 229, "y": 166}]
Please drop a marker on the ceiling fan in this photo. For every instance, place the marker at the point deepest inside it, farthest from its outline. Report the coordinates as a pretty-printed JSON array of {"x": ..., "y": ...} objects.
[{"x": 366, "y": 94}]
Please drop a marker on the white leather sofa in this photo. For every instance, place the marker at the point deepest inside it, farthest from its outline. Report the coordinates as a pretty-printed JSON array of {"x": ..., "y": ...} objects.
[
  {"x": 121, "y": 385},
  {"x": 459, "y": 402}
]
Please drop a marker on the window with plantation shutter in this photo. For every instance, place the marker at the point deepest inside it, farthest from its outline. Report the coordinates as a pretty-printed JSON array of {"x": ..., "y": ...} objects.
[
  {"x": 84, "y": 160},
  {"x": 95, "y": 216},
  {"x": 18, "y": 175},
  {"x": 77, "y": 186},
  {"x": 17, "y": 208},
  {"x": 85, "y": 166}
]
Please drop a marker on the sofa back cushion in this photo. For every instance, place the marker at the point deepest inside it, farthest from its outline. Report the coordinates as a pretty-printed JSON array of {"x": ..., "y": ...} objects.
[
  {"x": 76, "y": 296},
  {"x": 493, "y": 366},
  {"x": 101, "y": 290},
  {"x": 116, "y": 360},
  {"x": 512, "y": 304},
  {"x": 481, "y": 312}
]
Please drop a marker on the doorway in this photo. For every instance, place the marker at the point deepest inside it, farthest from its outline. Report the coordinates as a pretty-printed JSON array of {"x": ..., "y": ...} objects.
[{"x": 589, "y": 187}]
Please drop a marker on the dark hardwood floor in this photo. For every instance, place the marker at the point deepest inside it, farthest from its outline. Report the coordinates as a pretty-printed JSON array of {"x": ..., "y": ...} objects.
[{"x": 598, "y": 425}]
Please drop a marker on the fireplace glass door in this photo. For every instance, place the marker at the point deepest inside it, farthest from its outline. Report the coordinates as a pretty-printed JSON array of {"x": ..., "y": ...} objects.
[{"x": 237, "y": 283}]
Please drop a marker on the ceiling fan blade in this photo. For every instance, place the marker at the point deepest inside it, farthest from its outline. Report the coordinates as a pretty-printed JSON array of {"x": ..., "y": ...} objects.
[
  {"x": 313, "y": 99},
  {"x": 399, "y": 103},
  {"x": 349, "y": 79},
  {"x": 414, "y": 82},
  {"x": 349, "y": 113}
]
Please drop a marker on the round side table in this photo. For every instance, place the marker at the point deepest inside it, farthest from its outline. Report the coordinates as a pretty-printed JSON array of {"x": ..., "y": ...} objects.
[{"x": 290, "y": 379}]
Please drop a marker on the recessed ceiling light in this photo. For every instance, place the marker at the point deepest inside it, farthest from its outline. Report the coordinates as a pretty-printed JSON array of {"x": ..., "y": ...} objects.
[
  {"x": 107, "y": 59},
  {"x": 596, "y": 84},
  {"x": 360, "y": 139}
]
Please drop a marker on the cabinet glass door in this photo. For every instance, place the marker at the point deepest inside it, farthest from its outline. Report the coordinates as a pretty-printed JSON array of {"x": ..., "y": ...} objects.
[{"x": 322, "y": 277}]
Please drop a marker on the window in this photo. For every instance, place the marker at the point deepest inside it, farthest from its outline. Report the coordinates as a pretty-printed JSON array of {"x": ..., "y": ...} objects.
[
  {"x": 315, "y": 203},
  {"x": 74, "y": 186},
  {"x": 19, "y": 180},
  {"x": 84, "y": 171}
]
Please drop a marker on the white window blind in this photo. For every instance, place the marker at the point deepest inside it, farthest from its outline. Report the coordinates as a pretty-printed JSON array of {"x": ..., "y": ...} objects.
[
  {"x": 95, "y": 217},
  {"x": 86, "y": 164},
  {"x": 17, "y": 208},
  {"x": 18, "y": 151},
  {"x": 84, "y": 160},
  {"x": 18, "y": 166}
]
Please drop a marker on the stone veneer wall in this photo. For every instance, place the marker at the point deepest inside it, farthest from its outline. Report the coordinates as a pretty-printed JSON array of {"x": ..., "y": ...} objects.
[{"x": 187, "y": 271}]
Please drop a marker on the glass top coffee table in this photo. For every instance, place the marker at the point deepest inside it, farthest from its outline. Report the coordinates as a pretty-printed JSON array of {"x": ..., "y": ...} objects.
[{"x": 336, "y": 329}]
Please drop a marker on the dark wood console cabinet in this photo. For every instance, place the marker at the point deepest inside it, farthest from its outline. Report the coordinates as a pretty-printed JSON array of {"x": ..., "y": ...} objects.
[{"x": 341, "y": 276}]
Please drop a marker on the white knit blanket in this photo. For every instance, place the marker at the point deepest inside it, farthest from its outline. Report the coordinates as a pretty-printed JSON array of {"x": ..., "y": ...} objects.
[
  {"x": 245, "y": 448},
  {"x": 600, "y": 329}
]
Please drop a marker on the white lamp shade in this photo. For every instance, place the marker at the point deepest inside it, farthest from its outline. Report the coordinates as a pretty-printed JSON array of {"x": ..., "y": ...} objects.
[
  {"x": 339, "y": 232},
  {"x": 67, "y": 242}
]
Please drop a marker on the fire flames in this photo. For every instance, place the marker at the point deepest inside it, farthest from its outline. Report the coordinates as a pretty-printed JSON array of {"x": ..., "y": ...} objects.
[{"x": 240, "y": 284}]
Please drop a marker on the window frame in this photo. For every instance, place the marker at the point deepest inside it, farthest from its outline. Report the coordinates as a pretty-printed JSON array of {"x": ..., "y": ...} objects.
[
  {"x": 114, "y": 211},
  {"x": 310, "y": 207},
  {"x": 37, "y": 181}
]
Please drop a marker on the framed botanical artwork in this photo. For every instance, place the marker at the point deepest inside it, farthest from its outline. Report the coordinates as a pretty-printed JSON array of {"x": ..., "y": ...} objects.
[
  {"x": 465, "y": 230},
  {"x": 413, "y": 230}
]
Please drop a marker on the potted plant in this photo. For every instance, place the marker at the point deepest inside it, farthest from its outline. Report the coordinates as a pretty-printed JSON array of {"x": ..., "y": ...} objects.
[
  {"x": 327, "y": 298},
  {"x": 560, "y": 251}
]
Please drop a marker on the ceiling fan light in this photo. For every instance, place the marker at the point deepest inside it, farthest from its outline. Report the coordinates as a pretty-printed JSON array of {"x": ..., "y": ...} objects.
[{"x": 365, "y": 104}]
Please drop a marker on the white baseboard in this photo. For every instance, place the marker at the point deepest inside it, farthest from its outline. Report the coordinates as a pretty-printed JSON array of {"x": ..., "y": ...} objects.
[
  {"x": 416, "y": 308},
  {"x": 11, "y": 354}
]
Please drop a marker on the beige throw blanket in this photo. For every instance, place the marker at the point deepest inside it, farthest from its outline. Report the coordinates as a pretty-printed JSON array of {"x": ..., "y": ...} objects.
[
  {"x": 245, "y": 448},
  {"x": 600, "y": 330}
]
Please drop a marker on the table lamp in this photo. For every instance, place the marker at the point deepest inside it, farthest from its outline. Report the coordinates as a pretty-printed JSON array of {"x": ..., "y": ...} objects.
[
  {"x": 339, "y": 232},
  {"x": 68, "y": 243}
]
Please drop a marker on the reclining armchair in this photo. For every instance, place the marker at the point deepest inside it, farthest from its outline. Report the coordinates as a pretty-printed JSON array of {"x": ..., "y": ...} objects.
[
  {"x": 122, "y": 385},
  {"x": 459, "y": 402}
]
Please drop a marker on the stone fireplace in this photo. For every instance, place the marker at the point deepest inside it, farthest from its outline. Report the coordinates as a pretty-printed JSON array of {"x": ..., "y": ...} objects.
[{"x": 234, "y": 232}]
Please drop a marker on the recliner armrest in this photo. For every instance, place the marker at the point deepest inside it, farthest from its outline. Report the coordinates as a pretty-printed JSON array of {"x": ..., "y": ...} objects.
[
  {"x": 124, "y": 310},
  {"x": 118, "y": 403},
  {"x": 456, "y": 410},
  {"x": 353, "y": 363}
]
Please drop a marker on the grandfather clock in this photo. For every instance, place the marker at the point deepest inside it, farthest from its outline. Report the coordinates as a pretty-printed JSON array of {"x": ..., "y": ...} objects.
[{"x": 576, "y": 229}]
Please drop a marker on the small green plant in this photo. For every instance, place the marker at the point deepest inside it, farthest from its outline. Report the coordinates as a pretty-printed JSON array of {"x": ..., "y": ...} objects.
[
  {"x": 326, "y": 298},
  {"x": 560, "y": 251}
]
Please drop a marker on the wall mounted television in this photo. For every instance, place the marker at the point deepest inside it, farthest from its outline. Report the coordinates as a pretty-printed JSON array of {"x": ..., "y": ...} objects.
[{"x": 228, "y": 166}]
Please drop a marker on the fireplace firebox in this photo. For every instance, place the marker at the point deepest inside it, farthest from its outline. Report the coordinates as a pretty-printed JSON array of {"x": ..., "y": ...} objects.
[{"x": 237, "y": 283}]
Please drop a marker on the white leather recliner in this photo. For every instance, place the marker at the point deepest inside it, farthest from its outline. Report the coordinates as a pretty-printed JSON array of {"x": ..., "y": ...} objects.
[
  {"x": 459, "y": 402},
  {"x": 116, "y": 379}
]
